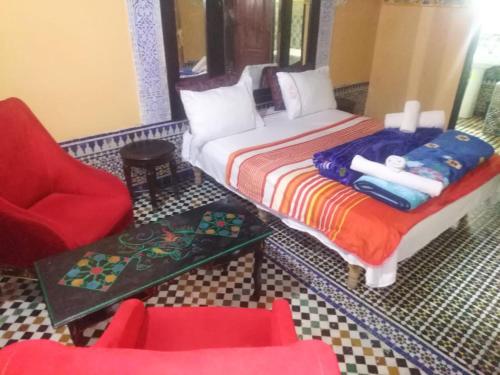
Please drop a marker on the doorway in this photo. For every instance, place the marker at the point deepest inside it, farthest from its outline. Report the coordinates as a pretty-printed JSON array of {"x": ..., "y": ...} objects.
[{"x": 477, "y": 107}]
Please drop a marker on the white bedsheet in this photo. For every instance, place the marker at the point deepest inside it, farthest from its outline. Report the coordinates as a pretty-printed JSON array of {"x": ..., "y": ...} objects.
[{"x": 213, "y": 157}]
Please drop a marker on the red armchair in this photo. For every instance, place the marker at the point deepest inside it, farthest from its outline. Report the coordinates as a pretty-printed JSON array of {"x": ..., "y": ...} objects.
[
  {"x": 49, "y": 201},
  {"x": 200, "y": 340},
  {"x": 191, "y": 328}
]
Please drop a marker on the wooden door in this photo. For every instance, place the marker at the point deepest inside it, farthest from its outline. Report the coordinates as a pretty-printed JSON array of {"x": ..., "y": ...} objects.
[{"x": 252, "y": 22}]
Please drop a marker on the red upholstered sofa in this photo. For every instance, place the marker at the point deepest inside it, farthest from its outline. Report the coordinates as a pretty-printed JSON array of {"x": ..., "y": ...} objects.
[
  {"x": 49, "y": 201},
  {"x": 199, "y": 340}
]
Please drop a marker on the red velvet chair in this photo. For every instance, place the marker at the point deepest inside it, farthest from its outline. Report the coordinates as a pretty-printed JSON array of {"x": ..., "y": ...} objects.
[
  {"x": 192, "y": 328},
  {"x": 186, "y": 340},
  {"x": 49, "y": 201}
]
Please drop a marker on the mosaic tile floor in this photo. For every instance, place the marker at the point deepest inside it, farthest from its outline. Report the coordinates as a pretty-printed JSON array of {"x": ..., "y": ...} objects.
[
  {"x": 474, "y": 126},
  {"x": 441, "y": 317}
]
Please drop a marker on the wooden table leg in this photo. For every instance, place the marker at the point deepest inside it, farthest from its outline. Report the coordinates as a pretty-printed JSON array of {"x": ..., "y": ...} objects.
[
  {"x": 353, "y": 276},
  {"x": 148, "y": 293},
  {"x": 151, "y": 177},
  {"x": 257, "y": 266},
  {"x": 76, "y": 331},
  {"x": 198, "y": 176},
  {"x": 77, "y": 327},
  {"x": 127, "y": 171},
  {"x": 173, "y": 177}
]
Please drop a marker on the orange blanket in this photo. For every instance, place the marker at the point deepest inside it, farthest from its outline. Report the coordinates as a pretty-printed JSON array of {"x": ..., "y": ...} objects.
[{"x": 281, "y": 176}]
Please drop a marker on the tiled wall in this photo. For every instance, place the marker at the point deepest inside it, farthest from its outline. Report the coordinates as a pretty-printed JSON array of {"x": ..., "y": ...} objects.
[
  {"x": 102, "y": 151},
  {"x": 490, "y": 79},
  {"x": 357, "y": 93}
]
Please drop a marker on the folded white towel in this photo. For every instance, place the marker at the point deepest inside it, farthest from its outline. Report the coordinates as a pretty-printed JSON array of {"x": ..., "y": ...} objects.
[
  {"x": 427, "y": 119},
  {"x": 410, "y": 116},
  {"x": 393, "y": 120},
  {"x": 396, "y": 163},
  {"x": 431, "y": 119},
  {"x": 410, "y": 180}
]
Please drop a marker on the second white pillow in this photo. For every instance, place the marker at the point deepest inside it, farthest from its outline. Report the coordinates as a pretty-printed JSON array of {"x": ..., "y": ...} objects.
[{"x": 307, "y": 92}]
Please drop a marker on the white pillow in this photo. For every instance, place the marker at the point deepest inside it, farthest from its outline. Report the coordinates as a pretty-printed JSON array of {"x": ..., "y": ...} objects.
[
  {"x": 221, "y": 112},
  {"x": 306, "y": 92}
]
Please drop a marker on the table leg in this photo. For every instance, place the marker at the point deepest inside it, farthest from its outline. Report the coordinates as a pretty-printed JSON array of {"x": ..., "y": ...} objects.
[
  {"x": 151, "y": 177},
  {"x": 353, "y": 276},
  {"x": 257, "y": 266},
  {"x": 76, "y": 332},
  {"x": 198, "y": 176},
  {"x": 127, "y": 171},
  {"x": 148, "y": 293},
  {"x": 173, "y": 177}
]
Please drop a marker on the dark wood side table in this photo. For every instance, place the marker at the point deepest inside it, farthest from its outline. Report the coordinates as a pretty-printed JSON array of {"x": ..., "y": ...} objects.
[{"x": 148, "y": 155}]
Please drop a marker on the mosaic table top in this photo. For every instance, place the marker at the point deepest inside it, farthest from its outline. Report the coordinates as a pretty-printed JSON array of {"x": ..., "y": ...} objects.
[{"x": 79, "y": 282}]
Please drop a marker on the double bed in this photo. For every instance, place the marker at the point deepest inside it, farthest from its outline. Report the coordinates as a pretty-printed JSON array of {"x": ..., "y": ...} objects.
[{"x": 223, "y": 158}]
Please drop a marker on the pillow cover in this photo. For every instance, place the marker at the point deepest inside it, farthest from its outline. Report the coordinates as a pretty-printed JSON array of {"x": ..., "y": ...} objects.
[
  {"x": 270, "y": 80},
  {"x": 307, "y": 92},
  {"x": 221, "y": 112}
]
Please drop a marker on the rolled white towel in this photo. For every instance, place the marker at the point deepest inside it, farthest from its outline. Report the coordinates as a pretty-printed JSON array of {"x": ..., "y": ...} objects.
[
  {"x": 396, "y": 163},
  {"x": 427, "y": 119},
  {"x": 410, "y": 116},
  {"x": 410, "y": 180}
]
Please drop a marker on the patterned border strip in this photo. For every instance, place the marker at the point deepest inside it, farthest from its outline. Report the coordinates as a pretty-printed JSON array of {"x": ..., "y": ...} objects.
[
  {"x": 149, "y": 58},
  {"x": 114, "y": 140},
  {"x": 325, "y": 32},
  {"x": 347, "y": 89},
  {"x": 395, "y": 336}
]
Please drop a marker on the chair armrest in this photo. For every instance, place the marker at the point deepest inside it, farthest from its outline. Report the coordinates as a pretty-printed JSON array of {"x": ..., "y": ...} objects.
[
  {"x": 282, "y": 327},
  {"x": 25, "y": 236},
  {"x": 126, "y": 326}
]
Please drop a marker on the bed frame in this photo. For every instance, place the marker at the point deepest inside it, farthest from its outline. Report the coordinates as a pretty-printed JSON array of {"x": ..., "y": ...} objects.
[{"x": 353, "y": 271}]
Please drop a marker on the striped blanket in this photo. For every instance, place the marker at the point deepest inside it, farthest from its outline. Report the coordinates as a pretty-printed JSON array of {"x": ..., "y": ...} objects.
[{"x": 281, "y": 176}]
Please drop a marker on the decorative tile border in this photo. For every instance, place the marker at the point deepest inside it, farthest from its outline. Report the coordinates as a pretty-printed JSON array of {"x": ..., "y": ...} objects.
[
  {"x": 357, "y": 92},
  {"x": 102, "y": 151},
  {"x": 149, "y": 58},
  {"x": 325, "y": 32}
]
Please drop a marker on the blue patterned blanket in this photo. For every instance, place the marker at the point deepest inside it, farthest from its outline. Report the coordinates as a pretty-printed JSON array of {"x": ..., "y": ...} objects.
[
  {"x": 447, "y": 159},
  {"x": 335, "y": 163}
]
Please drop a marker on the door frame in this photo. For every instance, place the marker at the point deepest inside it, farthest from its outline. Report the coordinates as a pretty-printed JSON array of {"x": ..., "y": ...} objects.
[{"x": 464, "y": 79}]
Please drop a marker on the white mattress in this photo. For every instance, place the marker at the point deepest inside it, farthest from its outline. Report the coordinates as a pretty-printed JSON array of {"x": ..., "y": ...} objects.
[{"x": 213, "y": 156}]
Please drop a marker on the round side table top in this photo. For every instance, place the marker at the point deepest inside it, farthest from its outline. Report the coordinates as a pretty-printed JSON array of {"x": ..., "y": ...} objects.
[{"x": 150, "y": 149}]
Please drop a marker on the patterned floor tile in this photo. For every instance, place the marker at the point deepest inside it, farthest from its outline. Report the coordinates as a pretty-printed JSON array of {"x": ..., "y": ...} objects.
[{"x": 438, "y": 318}]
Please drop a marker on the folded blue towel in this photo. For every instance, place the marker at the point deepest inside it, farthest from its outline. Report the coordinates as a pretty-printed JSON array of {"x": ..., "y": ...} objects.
[
  {"x": 395, "y": 195},
  {"x": 335, "y": 163},
  {"x": 447, "y": 159}
]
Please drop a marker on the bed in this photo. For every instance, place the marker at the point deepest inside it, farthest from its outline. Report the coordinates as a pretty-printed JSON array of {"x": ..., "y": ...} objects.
[{"x": 214, "y": 157}]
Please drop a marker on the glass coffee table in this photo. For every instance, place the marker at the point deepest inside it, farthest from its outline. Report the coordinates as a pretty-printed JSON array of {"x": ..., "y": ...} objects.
[{"x": 81, "y": 285}]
